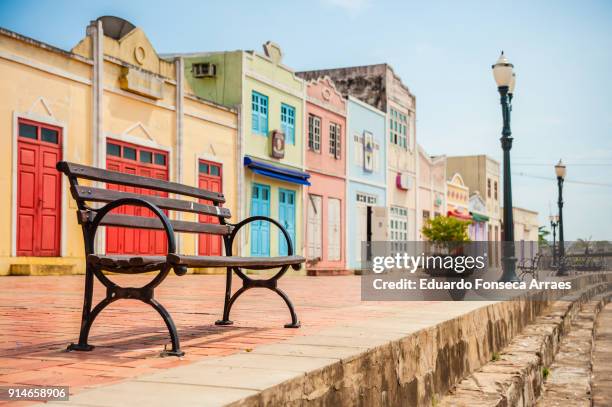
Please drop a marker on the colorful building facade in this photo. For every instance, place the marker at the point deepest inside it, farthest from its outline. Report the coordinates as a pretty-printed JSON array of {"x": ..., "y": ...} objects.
[
  {"x": 271, "y": 101},
  {"x": 366, "y": 174},
  {"x": 379, "y": 86},
  {"x": 481, "y": 174},
  {"x": 432, "y": 188},
  {"x": 110, "y": 102},
  {"x": 326, "y": 163},
  {"x": 478, "y": 210}
]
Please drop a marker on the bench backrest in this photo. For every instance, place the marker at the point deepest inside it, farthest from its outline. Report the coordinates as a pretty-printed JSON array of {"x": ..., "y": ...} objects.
[{"x": 83, "y": 194}]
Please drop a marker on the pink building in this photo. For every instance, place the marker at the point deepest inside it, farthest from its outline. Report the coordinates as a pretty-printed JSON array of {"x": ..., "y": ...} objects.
[
  {"x": 325, "y": 162},
  {"x": 432, "y": 188}
]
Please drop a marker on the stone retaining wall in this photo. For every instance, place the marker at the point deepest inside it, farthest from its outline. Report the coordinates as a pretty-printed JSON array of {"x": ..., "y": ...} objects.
[{"x": 418, "y": 369}]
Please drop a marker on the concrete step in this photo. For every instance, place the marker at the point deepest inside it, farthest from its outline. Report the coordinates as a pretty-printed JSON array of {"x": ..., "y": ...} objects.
[
  {"x": 42, "y": 269},
  {"x": 515, "y": 376}
]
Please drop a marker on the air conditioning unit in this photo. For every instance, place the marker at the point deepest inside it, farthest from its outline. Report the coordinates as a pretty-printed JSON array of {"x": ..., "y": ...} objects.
[
  {"x": 204, "y": 70},
  {"x": 404, "y": 181}
]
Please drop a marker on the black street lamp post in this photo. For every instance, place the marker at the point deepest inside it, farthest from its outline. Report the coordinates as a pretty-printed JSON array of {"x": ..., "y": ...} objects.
[
  {"x": 554, "y": 222},
  {"x": 560, "y": 171},
  {"x": 505, "y": 79}
]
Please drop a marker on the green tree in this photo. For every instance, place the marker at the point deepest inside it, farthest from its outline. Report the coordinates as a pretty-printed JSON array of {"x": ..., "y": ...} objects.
[
  {"x": 542, "y": 233},
  {"x": 446, "y": 231}
]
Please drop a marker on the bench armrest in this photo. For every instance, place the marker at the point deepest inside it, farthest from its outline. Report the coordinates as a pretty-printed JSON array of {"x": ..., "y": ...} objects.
[
  {"x": 239, "y": 225},
  {"x": 102, "y": 212}
]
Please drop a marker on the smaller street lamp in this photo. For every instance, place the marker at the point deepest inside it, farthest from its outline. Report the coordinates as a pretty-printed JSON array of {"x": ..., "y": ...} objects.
[
  {"x": 554, "y": 222},
  {"x": 560, "y": 172}
]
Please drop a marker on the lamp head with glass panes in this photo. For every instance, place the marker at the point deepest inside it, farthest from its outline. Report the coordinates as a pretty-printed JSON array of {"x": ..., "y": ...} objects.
[
  {"x": 503, "y": 73},
  {"x": 560, "y": 170}
]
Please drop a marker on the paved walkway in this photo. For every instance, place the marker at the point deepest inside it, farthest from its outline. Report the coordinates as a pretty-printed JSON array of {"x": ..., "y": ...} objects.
[
  {"x": 39, "y": 316},
  {"x": 602, "y": 360}
]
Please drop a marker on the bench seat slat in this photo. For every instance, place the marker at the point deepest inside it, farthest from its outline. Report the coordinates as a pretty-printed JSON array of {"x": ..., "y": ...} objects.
[
  {"x": 91, "y": 194},
  {"x": 253, "y": 263},
  {"x": 125, "y": 260},
  {"x": 127, "y": 264},
  {"x": 154, "y": 223},
  {"x": 114, "y": 177}
]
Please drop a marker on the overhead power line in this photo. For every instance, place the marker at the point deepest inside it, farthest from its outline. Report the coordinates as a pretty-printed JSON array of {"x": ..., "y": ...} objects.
[
  {"x": 572, "y": 165},
  {"x": 596, "y": 184}
]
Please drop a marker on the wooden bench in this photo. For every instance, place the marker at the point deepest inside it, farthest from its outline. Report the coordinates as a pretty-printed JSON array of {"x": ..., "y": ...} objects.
[{"x": 90, "y": 217}]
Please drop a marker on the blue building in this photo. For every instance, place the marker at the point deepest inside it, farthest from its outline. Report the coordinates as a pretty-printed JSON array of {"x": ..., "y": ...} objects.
[{"x": 366, "y": 172}]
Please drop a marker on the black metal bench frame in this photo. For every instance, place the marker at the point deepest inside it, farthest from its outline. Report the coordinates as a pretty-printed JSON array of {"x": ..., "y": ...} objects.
[
  {"x": 91, "y": 219},
  {"x": 529, "y": 266}
]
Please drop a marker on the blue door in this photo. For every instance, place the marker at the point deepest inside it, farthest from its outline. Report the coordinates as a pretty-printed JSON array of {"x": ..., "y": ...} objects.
[
  {"x": 260, "y": 230},
  {"x": 286, "y": 216}
]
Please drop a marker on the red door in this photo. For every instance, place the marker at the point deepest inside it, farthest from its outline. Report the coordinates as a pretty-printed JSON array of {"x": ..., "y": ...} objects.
[
  {"x": 143, "y": 161},
  {"x": 38, "y": 189},
  {"x": 209, "y": 178}
]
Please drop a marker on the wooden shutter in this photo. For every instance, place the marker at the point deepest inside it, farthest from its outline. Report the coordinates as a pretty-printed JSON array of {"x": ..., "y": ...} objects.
[
  {"x": 314, "y": 227},
  {"x": 333, "y": 229},
  {"x": 338, "y": 142}
]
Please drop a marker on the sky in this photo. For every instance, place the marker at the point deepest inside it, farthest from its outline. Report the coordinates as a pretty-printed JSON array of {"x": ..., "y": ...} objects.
[{"x": 443, "y": 51}]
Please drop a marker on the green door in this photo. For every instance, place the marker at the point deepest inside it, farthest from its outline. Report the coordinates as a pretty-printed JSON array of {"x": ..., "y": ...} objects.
[{"x": 286, "y": 216}]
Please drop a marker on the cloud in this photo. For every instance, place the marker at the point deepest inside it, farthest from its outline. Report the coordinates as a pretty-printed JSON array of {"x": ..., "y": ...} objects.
[{"x": 351, "y": 6}]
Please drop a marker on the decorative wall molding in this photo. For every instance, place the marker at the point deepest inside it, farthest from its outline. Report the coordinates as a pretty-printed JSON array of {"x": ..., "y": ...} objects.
[
  {"x": 41, "y": 101},
  {"x": 280, "y": 86},
  {"x": 211, "y": 119},
  {"x": 44, "y": 67},
  {"x": 138, "y": 125}
]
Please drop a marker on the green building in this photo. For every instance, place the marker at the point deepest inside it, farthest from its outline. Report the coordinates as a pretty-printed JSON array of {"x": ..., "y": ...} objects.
[{"x": 270, "y": 99}]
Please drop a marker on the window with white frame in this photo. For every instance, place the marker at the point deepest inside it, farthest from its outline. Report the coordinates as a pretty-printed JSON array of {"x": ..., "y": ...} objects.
[
  {"x": 288, "y": 123},
  {"x": 398, "y": 223},
  {"x": 314, "y": 133},
  {"x": 334, "y": 140},
  {"x": 259, "y": 111},
  {"x": 398, "y": 128}
]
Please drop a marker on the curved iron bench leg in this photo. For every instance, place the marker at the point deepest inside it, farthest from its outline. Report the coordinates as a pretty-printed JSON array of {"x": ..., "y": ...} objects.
[
  {"x": 226, "y": 299},
  {"x": 294, "y": 320},
  {"x": 228, "y": 306},
  {"x": 248, "y": 283},
  {"x": 114, "y": 293},
  {"x": 86, "y": 327},
  {"x": 85, "y": 318},
  {"x": 176, "y": 347}
]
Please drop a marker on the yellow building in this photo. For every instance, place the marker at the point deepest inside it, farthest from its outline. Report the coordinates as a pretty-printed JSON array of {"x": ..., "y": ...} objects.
[{"x": 110, "y": 102}]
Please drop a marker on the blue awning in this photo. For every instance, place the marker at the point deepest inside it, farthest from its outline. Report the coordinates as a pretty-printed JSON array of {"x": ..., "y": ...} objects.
[{"x": 272, "y": 171}]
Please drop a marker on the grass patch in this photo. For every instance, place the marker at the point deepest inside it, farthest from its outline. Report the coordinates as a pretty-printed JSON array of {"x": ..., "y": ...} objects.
[
  {"x": 495, "y": 357},
  {"x": 545, "y": 372}
]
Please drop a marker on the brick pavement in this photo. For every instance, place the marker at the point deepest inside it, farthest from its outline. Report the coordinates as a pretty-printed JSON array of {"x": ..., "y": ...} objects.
[{"x": 39, "y": 316}]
